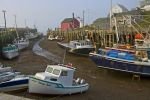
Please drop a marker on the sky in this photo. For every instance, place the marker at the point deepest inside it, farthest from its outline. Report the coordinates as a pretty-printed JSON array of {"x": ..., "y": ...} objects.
[{"x": 46, "y": 14}]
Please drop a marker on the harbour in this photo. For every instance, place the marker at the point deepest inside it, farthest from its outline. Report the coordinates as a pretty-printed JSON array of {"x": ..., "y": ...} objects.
[
  {"x": 104, "y": 84},
  {"x": 55, "y": 53}
]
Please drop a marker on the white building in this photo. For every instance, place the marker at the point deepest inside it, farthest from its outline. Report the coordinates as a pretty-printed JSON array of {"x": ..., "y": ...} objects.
[
  {"x": 145, "y": 5},
  {"x": 118, "y": 9}
]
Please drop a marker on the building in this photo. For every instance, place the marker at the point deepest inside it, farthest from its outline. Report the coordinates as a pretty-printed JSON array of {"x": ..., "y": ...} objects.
[
  {"x": 69, "y": 24},
  {"x": 102, "y": 23},
  {"x": 127, "y": 18},
  {"x": 145, "y": 5},
  {"x": 118, "y": 9}
]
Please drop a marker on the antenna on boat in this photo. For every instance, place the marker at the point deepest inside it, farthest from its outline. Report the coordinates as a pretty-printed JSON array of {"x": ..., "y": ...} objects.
[{"x": 116, "y": 29}]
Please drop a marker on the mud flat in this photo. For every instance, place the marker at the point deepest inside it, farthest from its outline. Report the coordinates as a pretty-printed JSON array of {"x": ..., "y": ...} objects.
[{"x": 104, "y": 84}]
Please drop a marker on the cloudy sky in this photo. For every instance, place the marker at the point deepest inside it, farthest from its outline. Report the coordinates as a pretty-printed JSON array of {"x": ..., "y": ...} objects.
[{"x": 49, "y": 13}]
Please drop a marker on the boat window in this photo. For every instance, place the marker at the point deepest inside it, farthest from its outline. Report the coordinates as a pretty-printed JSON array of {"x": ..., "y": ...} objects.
[
  {"x": 82, "y": 43},
  {"x": 49, "y": 69},
  {"x": 56, "y": 71},
  {"x": 75, "y": 44},
  {"x": 87, "y": 43},
  {"x": 53, "y": 79},
  {"x": 78, "y": 44},
  {"x": 64, "y": 73}
]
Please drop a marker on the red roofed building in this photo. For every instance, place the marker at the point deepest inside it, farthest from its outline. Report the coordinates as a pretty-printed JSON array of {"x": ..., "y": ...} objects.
[{"x": 69, "y": 24}]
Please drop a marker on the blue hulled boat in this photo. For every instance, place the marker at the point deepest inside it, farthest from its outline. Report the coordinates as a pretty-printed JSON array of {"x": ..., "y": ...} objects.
[
  {"x": 137, "y": 63},
  {"x": 16, "y": 83}
]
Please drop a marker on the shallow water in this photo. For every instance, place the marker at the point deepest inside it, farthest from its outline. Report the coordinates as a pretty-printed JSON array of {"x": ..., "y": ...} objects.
[{"x": 42, "y": 52}]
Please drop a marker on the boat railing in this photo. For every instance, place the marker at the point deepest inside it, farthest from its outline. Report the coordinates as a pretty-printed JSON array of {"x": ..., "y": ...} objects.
[
  {"x": 69, "y": 65},
  {"x": 78, "y": 81}
]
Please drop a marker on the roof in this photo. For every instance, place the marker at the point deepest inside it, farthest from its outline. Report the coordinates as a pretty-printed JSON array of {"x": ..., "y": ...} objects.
[
  {"x": 132, "y": 12},
  {"x": 123, "y": 7},
  {"x": 61, "y": 67},
  {"x": 66, "y": 20}
]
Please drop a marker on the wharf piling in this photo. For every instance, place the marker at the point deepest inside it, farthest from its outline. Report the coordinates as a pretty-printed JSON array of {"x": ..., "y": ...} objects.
[{"x": 100, "y": 38}]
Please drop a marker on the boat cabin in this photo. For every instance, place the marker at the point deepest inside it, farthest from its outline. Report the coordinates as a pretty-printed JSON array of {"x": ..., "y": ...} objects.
[
  {"x": 80, "y": 43},
  {"x": 9, "y": 47},
  {"x": 58, "y": 73}
]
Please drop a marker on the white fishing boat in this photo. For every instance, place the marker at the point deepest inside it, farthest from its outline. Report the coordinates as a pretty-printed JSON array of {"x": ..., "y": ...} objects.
[
  {"x": 21, "y": 43},
  {"x": 5, "y": 76},
  {"x": 81, "y": 47},
  {"x": 31, "y": 35},
  {"x": 4, "y": 69},
  {"x": 52, "y": 37},
  {"x": 56, "y": 80},
  {"x": 16, "y": 83},
  {"x": 10, "y": 51}
]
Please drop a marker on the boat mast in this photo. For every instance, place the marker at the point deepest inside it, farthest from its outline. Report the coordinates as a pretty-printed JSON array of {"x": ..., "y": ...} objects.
[
  {"x": 83, "y": 18},
  {"x": 110, "y": 15},
  {"x": 4, "y": 11}
]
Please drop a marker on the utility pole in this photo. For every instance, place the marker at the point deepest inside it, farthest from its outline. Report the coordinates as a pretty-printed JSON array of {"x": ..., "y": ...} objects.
[
  {"x": 83, "y": 17},
  {"x": 4, "y": 11},
  {"x": 25, "y": 22},
  {"x": 16, "y": 26}
]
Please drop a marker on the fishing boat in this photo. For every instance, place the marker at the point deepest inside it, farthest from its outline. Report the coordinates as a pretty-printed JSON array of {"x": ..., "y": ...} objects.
[
  {"x": 21, "y": 43},
  {"x": 10, "y": 51},
  {"x": 4, "y": 69},
  {"x": 16, "y": 83},
  {"x": 57, "y": 38},
  {"x": 5, "y": 76},
  {"x": 57, "y": 80},
  {"x": 138, "y": 63},
  {"x": 80, "y": 47},
  {"x": 31, "y": 35},
  {"x": 52, "y": 37}
]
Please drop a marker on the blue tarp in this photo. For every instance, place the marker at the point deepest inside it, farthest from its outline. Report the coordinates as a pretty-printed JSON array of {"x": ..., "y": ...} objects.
[{"x": 120, "y": 54}]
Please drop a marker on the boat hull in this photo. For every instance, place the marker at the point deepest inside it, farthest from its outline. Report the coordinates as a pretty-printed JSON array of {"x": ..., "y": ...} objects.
[
  {"x": 22, "y": 46},
  {"x": 11, "y": 54},
  {"x": 13, "y": 85},
  {"x": 45, "y": 87},
  {"x": 121, "y": 65},
  {"x": 5, "y": 69},
  {"x": 78, "y": 51},
  {"x": 81, "y": 51}
]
